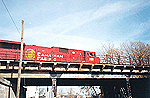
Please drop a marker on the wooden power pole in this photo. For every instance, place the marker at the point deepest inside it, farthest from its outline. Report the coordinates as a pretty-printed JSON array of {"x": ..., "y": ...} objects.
[{"x": 20, "y": 64}]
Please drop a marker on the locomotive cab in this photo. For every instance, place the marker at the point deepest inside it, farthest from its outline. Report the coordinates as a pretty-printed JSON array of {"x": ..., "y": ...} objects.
[{"x": 90, "y": 57}]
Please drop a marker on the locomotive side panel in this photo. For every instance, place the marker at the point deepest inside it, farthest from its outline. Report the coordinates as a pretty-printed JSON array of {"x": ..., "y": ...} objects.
[
  {"x": 9, "y": 54},
  {"x": 76, "y": 56},
  {"x": 97, "y": 60},
  {"x": 60, "y": 54},
  {"x": 37, "y": 53},
  {"x": 9, "y": 50}
]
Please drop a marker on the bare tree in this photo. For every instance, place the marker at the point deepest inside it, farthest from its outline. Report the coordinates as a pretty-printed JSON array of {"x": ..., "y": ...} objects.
[
  {"x": 42, "y": 91},
  {"x": 139, "y": 52},
  {"x": 70, "y": 93},
  {"x": 109, "y": 54},
  {"x": 90, "y": 91},
  {"x": 133, "y": 53}
]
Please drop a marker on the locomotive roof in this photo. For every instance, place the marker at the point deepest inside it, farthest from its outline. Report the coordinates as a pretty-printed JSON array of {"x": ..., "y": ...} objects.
[{"x": 14, "y": 42}]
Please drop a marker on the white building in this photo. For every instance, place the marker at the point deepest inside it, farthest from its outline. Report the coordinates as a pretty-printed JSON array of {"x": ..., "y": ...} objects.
[{"x": 32, "y": 92}]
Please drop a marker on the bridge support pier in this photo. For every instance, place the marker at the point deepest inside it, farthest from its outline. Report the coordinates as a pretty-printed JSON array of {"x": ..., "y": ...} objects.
[
  {"x": 128, "y": 86},
  {"x": 54, "y": 87},
  {"x": 7, "y": 66}
]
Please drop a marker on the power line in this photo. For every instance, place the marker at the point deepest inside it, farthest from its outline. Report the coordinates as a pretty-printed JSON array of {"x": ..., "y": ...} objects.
[{"x": 11, "y": 17}]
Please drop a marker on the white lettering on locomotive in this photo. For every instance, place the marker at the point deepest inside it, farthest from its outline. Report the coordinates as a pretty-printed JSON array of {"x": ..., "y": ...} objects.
[
  {"x": 38, "y": 58},
  {"x": 43, "y": 59},
  {"x": 47, "y": 56},
  {"x": 38, "y": 54},
  {"x": 61, "y": 56},
  {"x": 44, "y": 54}
]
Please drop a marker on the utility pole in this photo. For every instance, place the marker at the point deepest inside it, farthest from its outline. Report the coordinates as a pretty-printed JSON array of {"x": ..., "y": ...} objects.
[{"x": 20, "y": 64}]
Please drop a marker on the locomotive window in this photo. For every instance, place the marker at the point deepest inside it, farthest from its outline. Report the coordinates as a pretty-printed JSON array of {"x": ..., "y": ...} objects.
[
  {"x": 63, "y": 50},
  {"x": 9, "y": 46},
  {"x": 91, "y": 54},
  {"x": 88, "y": 54},
  {"x": 16, "y": 46},
  {"x": 6, "y": 46}
]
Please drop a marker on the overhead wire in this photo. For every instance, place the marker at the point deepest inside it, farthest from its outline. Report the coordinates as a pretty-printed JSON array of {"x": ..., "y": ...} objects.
[{"x": 11, "y": 17}]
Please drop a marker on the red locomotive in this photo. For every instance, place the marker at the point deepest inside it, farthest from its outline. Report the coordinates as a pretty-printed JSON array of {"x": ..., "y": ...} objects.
[{"x": 11, "y": 50}]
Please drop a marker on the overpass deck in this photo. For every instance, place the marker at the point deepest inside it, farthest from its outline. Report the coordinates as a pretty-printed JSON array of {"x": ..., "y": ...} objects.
[
  {"x": 58, "y": 73},
  {"x": 33, "y": 69}
]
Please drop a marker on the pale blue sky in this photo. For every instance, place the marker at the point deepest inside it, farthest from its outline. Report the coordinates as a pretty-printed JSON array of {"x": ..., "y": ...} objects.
[{"x": 76, "y": 24}]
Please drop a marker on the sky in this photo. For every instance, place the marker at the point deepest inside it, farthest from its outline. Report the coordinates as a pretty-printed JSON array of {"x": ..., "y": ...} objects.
[{"x": 76, "y": 24}]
